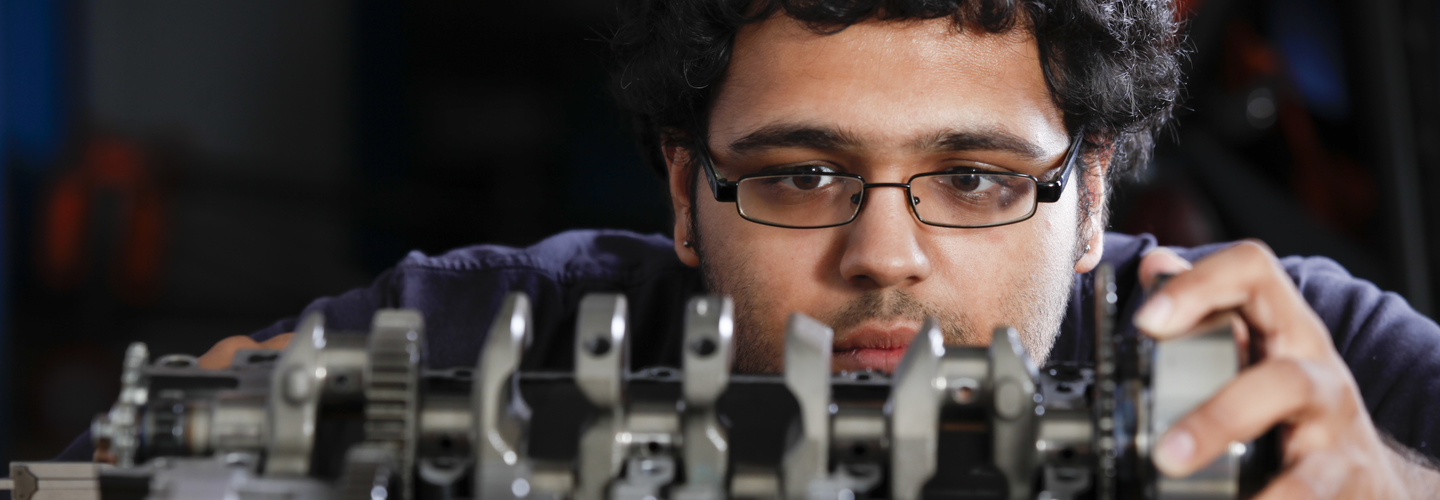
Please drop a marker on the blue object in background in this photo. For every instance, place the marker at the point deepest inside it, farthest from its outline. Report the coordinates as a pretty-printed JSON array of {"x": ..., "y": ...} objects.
[
  {"x": 5, "y": 365},
  {"x": 1308, "y": 35},
  {"x": 32, "y": 59},
  {"x": 33, "y": 117}
]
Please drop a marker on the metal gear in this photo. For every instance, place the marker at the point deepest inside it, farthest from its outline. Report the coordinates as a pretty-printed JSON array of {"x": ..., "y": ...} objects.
[
  {"x": 392, "y": 392},
  {"x": 1106, "y": 382},
  {"x": 118, "y": 432}
]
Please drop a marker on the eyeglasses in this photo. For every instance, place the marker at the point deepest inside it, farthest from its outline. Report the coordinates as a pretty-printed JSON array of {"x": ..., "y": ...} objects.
[{"x": 811, "y": 198}]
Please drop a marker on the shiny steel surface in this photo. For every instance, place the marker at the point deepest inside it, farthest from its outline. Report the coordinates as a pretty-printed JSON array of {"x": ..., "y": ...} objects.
[
  {"x": 807, "y": 374},
  {"x": 1188, "y": 370},
  {"x": 708, "y": 355},
  {"x": 501, "y": 420},
  {"x": 295, "y": 393},
  {"x": 600, "y": 364},
  {"x": 914, "y": 405},
  {"x": 1012, "y": 377},
  {"x": 392, "y": 388}
]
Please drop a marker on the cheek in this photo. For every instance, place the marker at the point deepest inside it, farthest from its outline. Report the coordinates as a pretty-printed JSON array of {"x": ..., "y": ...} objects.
[
  {"x": 1051, "y": 234},
  {"x": 770, "y": 272},
  {"x": 975, "y": 266},
  {"x": 777, "y": 263},
  {"x": 981, "y": 270}
]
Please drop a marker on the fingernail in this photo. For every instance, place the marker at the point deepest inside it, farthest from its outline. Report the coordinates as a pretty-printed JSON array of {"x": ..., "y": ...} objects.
[
  {"x": 1153, "y": 315},
  {"x": 1175, "y": 451}
]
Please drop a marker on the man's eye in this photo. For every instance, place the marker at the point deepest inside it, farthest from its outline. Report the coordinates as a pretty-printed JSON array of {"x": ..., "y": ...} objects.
[
  {"x": 808, "y": 182},
  {"x": 807, "y": 177},
  {"x": 972, "y": 183}
]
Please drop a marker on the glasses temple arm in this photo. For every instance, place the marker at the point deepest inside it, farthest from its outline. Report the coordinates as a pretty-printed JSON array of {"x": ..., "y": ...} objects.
[
  {"x": 1049, "y": 192},
  {"x": 724, "y": 191}
]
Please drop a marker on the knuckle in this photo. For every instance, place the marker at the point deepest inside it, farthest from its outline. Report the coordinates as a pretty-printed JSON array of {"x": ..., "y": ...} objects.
[
  {"x": 1319, "y": 385},
  {"x": 1256, "y": 248},
  {"x": 1302, "y": 375},
  {"x": 1257, "y": 257}
]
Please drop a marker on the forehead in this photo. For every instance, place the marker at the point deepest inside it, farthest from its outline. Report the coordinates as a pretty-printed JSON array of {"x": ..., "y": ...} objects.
[{"x": 887, "y": 81}]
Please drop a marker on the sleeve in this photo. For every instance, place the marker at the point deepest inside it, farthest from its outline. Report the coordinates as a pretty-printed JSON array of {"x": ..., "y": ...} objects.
[
  {"x": 1392, "y": 350},
  {"x": 351, "y": 310}
]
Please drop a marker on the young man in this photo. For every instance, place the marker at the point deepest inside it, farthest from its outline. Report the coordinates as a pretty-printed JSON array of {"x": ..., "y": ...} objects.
[{"x": 870, "y": 164}]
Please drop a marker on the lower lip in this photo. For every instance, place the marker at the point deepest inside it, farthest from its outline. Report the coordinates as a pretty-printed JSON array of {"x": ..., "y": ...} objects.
[{"x": 884, "y": 360}]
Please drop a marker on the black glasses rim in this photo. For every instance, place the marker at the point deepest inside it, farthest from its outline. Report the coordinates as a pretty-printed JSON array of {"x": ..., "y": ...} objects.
[
  {"x": 910, "y": 199},
  {"x": 1045, "y": 191},
  {"x": 911, "y": 180},
  {"x": 921, "y": 218}
]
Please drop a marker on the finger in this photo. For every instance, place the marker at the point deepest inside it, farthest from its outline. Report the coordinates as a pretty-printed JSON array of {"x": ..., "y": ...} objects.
[
  {"x": 1274, "y": 391},
  {"x": 278, "y": 342},
  {"x": 1158, "y": 261},
  {"x": 1245, "y": 277},
  {"x": 1318, "y": 475},
  {"x": 220, "y": 356}
]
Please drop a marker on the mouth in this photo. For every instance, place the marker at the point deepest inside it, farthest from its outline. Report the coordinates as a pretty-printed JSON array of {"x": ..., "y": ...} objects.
[{"x": 873, "y": 346}]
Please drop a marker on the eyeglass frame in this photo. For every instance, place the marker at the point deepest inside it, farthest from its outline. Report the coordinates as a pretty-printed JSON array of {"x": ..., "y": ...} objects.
[{"x": 727, "y": 191}]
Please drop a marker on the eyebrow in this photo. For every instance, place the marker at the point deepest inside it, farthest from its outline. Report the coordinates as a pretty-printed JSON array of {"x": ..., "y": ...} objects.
[
  {"x": 809, "y": 136},
  {"x": 795, "y": 135},
  {"x": 955, "y": 141}
]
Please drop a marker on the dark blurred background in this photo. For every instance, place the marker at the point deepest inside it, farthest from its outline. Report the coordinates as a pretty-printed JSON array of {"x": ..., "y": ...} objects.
[{"x": 178, "y": 171}]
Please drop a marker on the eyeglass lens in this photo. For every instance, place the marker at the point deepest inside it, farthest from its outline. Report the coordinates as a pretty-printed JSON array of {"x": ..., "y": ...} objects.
[{"x": 819, "y": 200}]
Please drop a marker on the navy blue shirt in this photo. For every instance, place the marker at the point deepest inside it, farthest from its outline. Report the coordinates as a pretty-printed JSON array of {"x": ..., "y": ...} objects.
[{"x": 1393, "y": 351}]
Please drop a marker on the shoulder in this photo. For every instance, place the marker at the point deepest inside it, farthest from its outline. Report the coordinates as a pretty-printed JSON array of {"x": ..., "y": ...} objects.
[
  {"x": 567, "y": 257},
  {"x": 1320, "y": 279},
  {"x": 1312, "y": 274},
  {"x": 1126, "y": 249},
  {"x": 460, "y": 291}
]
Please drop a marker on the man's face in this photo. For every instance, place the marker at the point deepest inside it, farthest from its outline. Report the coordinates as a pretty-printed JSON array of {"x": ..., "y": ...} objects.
[{"x": 885, "y": 101}]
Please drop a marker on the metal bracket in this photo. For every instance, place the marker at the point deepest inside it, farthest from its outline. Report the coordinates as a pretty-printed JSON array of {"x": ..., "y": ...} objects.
[
  {"x": 914, "y": 407},
  {"x": 1188, "y": 370},
  {"x": 295, "y": 392},
  {"x": 708, "y": 355},
  {"x": 1013, "y": 421},
  {"x": 601, "y": 353},
  {"x": 807, "y": 375},
  {"x": 503, "y": 471},
  {"x": 32, "y": 481}
]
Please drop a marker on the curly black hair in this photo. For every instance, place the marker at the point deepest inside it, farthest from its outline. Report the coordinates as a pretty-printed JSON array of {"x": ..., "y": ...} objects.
[{"x": 1112, "y": 66}]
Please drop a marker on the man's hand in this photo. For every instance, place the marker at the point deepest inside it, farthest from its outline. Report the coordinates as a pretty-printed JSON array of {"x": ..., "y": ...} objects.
[
  {"x": 220, "y": 356},
  {"x": 1331, "y": 447}
]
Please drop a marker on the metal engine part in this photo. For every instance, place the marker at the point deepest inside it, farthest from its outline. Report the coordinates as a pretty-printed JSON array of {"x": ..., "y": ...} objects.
[{"x": 343, "y": 416}]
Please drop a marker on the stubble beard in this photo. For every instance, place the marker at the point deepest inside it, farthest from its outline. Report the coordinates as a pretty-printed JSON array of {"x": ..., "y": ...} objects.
[{"x": 1035, "y": 307}]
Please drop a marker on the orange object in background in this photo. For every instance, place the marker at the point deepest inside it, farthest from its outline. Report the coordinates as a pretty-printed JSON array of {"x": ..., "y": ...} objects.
[{"x": 108, "y": 209}]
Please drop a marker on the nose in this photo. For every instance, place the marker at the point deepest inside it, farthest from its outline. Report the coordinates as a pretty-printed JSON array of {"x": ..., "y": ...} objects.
[{"x": 883, "y": 247}]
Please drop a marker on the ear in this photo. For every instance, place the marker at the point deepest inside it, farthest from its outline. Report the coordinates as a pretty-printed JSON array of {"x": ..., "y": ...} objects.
[
  {"x": 681, "y": 177},
  {"x": 1096, "y": 191}
]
